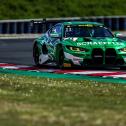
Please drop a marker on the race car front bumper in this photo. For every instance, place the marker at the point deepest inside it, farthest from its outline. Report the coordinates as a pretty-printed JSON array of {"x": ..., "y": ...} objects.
[{"x": 74, "y": 60}]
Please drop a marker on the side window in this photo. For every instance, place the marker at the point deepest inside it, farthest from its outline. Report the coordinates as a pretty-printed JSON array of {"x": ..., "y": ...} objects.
[{"x": 56, "y": 30}]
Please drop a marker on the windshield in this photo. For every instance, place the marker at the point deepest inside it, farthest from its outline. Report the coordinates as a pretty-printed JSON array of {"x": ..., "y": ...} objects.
[{"x": 86, "y": 31}]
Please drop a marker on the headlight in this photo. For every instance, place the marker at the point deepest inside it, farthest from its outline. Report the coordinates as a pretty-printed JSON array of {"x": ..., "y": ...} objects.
[
  {"x": 122, "y": 50},
  {"x": 77, "y": 49}
]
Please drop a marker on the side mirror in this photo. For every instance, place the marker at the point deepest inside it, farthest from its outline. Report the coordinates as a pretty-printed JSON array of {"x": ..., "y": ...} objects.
[
  {"x": 55, "y": 35},
  {"x": 118, "y": 34}
]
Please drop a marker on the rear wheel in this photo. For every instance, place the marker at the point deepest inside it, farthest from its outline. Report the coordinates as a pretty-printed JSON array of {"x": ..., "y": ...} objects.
[
  {"x": 60, "y": 61},
  {"x": 123, "y": 68},
  {"x": 36, "y": 54}
]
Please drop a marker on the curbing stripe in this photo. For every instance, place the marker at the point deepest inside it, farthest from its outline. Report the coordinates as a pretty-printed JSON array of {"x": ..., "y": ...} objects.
[
  {"x": 101, "y": 76},
  {"x": 63, "y": 76}
]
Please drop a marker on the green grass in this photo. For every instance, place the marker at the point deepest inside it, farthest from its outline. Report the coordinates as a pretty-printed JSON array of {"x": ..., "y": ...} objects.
[
  {"x": 34, "y": 101},
  {"x": 18, "y": 9}
]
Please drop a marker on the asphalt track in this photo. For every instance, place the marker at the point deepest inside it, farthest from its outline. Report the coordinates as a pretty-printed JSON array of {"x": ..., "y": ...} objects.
[{"x": 16, "y": 51}]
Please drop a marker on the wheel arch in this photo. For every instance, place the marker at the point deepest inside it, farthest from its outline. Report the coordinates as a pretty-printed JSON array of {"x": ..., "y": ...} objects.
[{"x": 36, "y": 43}]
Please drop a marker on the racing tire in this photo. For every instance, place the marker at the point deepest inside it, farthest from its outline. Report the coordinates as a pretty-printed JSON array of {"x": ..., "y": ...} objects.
[
  {"x": 36, "y": 55},
  {"x": 60, "y": 61},
  {"x": 123, "y": 68}
]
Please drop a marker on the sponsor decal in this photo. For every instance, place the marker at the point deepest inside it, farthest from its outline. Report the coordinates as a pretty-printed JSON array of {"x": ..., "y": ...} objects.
[
  {"x": 67, "y": 65},
  {"x": 99, "y": 43},
  {"x": 71, "y": 38}
]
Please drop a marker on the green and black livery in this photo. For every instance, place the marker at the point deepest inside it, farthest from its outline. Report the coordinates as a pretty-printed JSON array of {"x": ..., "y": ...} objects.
[{"x": 83, "y": 44}]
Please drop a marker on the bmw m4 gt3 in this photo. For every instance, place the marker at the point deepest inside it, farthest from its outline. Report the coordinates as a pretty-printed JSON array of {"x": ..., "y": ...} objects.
[{"x": 79, "y": 43}]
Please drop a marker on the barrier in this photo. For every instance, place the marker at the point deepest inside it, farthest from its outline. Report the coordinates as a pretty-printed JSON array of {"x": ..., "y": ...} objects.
[{"x": 27, "y": 26}]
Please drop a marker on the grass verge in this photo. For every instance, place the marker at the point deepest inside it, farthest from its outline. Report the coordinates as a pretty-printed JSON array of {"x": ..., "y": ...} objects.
[{"x": 34, "y": 101}]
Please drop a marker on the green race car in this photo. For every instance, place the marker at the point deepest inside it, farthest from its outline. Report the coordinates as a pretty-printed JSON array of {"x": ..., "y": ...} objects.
[{"x": 79, "y": 43}]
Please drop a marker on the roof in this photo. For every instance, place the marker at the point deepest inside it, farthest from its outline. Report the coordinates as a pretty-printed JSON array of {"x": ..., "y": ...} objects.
[{"x": 81, "y": 22}]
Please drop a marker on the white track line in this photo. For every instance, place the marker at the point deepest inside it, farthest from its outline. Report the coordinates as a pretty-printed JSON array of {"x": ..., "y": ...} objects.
[
  {"x": 120, "y": 75},
  {"x": 91, "y": 72}
]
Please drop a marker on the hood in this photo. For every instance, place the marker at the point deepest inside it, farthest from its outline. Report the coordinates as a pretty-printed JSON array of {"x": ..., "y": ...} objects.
[{"x": 98, "y": 42}]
